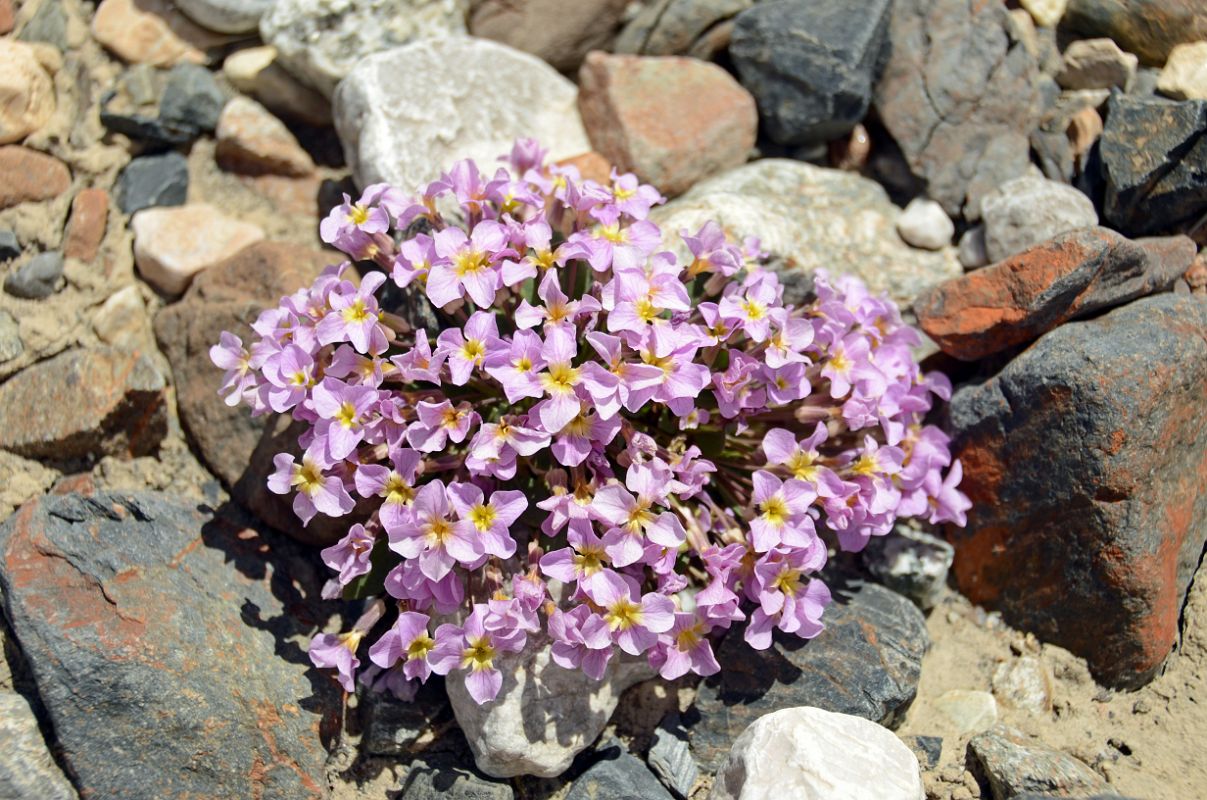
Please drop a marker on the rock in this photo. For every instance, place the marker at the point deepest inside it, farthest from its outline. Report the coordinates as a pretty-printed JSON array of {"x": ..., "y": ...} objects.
[
  {"x": 150, "y": 181},
  {"x": 673, "y": 27},
  {"x": 11, "y": 345},
  {"x": 171, "y": 245},
  {"x": 6, "y": 17},
  {"x": 391, "y": 134},
  {"x": 925, "y": 224},
  {"x": 1148, "y": 28},
  {"x": 226, "y": 16},
  {"x": 160, "y": 638},
  {"x": 557, "y": 32},
  {"x": 670, "y": 757},
  {"x": 1073, "y": 275},
  {"x": 959, "y": 97},
  {"x": 255, "y": 71},
  {"x": 865, "y": 663},
  {"x": 544, "y": 715},
  {"x": 967, "y": 711},
  {"x": 9, "y": 246},
  {"x": 670, "y": 120},
  {"x": 927, "y": 749},
  {"x": 442, "y": 778},
  {"x": 147, "y": 32},
  {"x": 122, "y": 318},
  {"x": 1196, "y": 275},
  {"x": 253, "y": 141},
  {"x": 618, "y": 774},
  {"x": 1024, "y": 684},
  {"x": 1097, "y": 64},
  {"x": 235, "y": 446},
  {"x": 1046, "y": 13},
  {"x": 27, "y": 771},
  {"x": 1012, "y": 764},
  {"x": 84, "y": 403},
  {"x": 912, "y": 563},
  {"x": 27, "y": 98},
  {"x": 86, "y": 226},
  {"x": 811, "y": 65},
  {"x": 812, "y": 753},
  {"x": 48, "y": 24},
  {"x": 191, "y": 97},
  {"x": 320, "y": 41},
  {"x": 27, "y": 176},
  {"x": 591, "y": 166},
  {"x": 809, "y": 217},
  {"x": 1154, "y": 163},
  {"x": 972, "y": 250},
  {"x": 37, "y": 278},
  {"x": 1185, "y": 74},
  {"x": 1103, "y": 500},
  {"x": 396, "y": 727},
  {"x": 1023, "y": 212}
]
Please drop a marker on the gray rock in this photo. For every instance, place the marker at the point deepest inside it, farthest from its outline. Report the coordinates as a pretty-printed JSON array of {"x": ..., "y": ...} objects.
[
  {"x": 1097, "y": 64},
  {"x": 37, "y": 278},
  {"x": 163, "y": 642},
  {"x": 11, "y": 345},
  {"x": 1013, "y": 764},
  {"x": 967, "y": 711},
  {"x": 27, "y": 772},
  {"x": 810, "y": 64},
  {"x": 925, "y": 224},
  {"x": 442, "y": 778},
  {"x": 865, "y": 663},
  {"x": 191, "y": 97},
  {"x": 158, "y": 180},
  {"x": 226, "y": 16},
  {"x": 910, "y": 562},
  {"x": 959, "y": 97},
  {"x": 555, "y": 31},
  {"x": 1154, "y": 163},
  {"x": 618, "y": 774},
  {"x": 394, "y": 727},
  {"x": 672, "y": 27},
  {"x": 1026, "y": 211},
  {"x": 972, "y": 251},
  {"x": 9, "y": 246},
  {"x": 810, "y": 217},
  {"x": 393, "y": 134},
  {"x": 928, "y": 749},
  {"x": 670, "y": 757},
  {"x": 48, "y": 24},
  {"x": 320, "y": 41}
]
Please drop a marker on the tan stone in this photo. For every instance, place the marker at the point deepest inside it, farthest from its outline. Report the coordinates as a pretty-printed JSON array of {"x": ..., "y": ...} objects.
[
  {"x": 148, "y": 32},
  {"x": 252, "y": 141},
  {"x": 255, "y": 71},
  {"x": 172, "y": 244},
  {"x": 1185, "y": 73},
  {"x": 1046, "y": 13},
  {"x": 26, "y": 92},
  {"x": 29, "y": 176}
]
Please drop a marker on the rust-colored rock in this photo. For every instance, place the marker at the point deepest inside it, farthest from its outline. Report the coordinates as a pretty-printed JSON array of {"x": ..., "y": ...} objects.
[
  {"x": 29, "y": 176},
  {"x": 1026, "y": 295},
  {"x": 6, "y": 17},
  {"x": 670, "y": 120},
  {"x": 1196, "y": 276},
  {"x": 591, "y": 166},
  {"x": 557, "y": 32},
  {"x": 86, "y": 227},
  {"x": 1086, "y": 463}
]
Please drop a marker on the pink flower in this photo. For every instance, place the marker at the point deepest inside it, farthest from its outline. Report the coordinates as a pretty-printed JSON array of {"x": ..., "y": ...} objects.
[
  {"x": 781, "y": 517},
  {"x": 635, "y": 620},
  {"x": 476, "y": 649},
  {"x": 439, "y": 423},
  {"x": 316, "y": 491},
  {"x": 354, "y": 316},
  {"x": 558, "y": 310},
  {"x": 350, "y": 555},
  {"x": 468, "y": 351},
  {"x": 516, "y": 368},
  {"x": 240, "y": 379},
  {"x": 632, "y": 520},
  {"x": 338, "y": 652},
  {"x": 685, "y": 648},
  {"x": 396, "y": 485},
  {"x": 407, "y": 641},
  {"x": 468, "y": 264},
  {"x": 581, "y": 639},
  {"x": 490, "y": 521},
  {"x": 433, "y": 538},
  {"x": 787, "y": 599}
]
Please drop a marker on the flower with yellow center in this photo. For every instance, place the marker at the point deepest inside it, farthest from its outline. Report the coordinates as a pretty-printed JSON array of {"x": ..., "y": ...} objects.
[
  {"x": 479, "y": 655},
  {"x": 623, "y": 614}
]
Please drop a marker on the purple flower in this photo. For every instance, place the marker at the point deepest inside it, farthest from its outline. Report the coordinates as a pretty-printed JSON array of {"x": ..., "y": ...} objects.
[
  {"x": 685, "y": 648},
  {"x": 558, "y": 309},
  {"x": 581, "y": 639},
  {"x": 581, "y": 561},
  {"x": 438, "y": 423},
  {"x": 635, "y": 620},
  {"x": 338, "y": 652},
  {"x": 787, "y": 599},
  {"x": 350, "y": 555},
  {"x": 396, "y": 485},
  {"x": 354, "y": 316},
  {"x": 632, "y": 520},
  {"x": 488, "y": 521},
  {"x": 468, "y": 264},
  {"x": 344, "y": 412},
  {"x": 434, "y": 539},
  {"x": 239, "y": 380},
  {"x": 407, "y": 641},
  {"x": 516, "y": 367},
  {"x": 316, "y": 491},
  {"x": 475, "y": 648},
  {"x": 781, "y": 515},
  {"x": 468, "y": 350},
  {"x": 414, "y": 260}
]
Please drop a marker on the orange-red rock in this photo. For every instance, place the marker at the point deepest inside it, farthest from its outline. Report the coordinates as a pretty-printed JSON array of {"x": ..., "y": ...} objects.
[
  {"x": 591, "y": 166},
  {"x": 86, "y": 227},
  {"x": 27, "y": 176},
  {"x": 1086, "y": 462},
  {"x": 670, "y": 120},
  {"x": 1022, "y": 297},
  {"x": 6, "y": 16}
]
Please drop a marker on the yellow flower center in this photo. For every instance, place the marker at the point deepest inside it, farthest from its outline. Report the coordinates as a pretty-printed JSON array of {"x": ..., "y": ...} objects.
[
  {"x": 438, "y": 530},
  {"x": 867, "y": 465},
  {"x": 356, "y": 312},
  {"x": 346, "y": 415},
  {"x": 589, "y": 561},
  {"x": 523, "y": 364},
  {"x": 560, "y": 379},
  {"x": 479, "y": 655},
  {"x": 450, "y": 418},
  {"x": 754, "y": 309},
  {"x": 420, "y": 646},
  {"x": 775, "y": 510},
  {"x": 788, "y": 581},
  {"x": 468, "y": 262},
  {"x": 579, "y": 426},
  {"x": 622, "y": 194},
  {"x": 689, "y": 637},
  {"x": 473, "y": 350},
  {"x": 483, "y": 517},
  {"x": 802, "y": 466},
  {"x": 840, "y": 362},
  {"x": 398, "y": 491},
  {"x": 614, "y": 234},
  {"x": 639, "y": 517},
  {"x": 358, "y": 215},
  {"x": 646, "y": 309},
  {"x": 307, "y": 477},
  {"x": 623, "y": 615}
]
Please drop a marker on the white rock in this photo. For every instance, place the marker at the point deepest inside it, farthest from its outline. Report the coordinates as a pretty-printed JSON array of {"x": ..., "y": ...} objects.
[
  {"x": 1025, "y": 684},
  {"x": 925, "y": 224},
  {"x": 319, "y": 41},
  {"x": 26, "y": 92},
  {"x": 1023, "y": 212},
  {"x": 122, "y": 318},
  {"x": 811, "y": 754},
  {"x": 406, "y": 115},
  {"x": 26, "y": 767},
  {"x": 810, "y": 217},
  {"x": 1185, "y": 74},
  {"x": 1097, "y": 64},
  {"x": 1046, "y": 13},
  {"x": 226, "y": 16},
  {"x": 174, "y": 243},
  {"x": 968, "y": 711},
  {"x": 544, "y": 714}
]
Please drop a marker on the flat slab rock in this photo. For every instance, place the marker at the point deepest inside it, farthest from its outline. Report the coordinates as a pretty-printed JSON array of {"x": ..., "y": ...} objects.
[
  {"x": 163, "y": 641},
  {"x": 1012, "y": 764},
  {"x": 1086, "y": 462},
  {"x": 866, "y": 663}
]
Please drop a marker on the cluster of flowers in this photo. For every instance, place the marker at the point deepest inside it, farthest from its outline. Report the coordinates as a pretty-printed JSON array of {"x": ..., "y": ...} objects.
[{"x": 601, "y": 445}]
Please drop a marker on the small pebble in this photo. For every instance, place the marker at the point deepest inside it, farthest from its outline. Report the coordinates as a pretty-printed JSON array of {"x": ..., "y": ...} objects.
[
  {"x": 972, "y": 251},
  {"x": 191, "y": 97},
  {"x": 924, "y": 224},
  {"x": 159, "y": 180},
  {"x": 9, "y": 246},
  {"x": 37, "y": 278}
]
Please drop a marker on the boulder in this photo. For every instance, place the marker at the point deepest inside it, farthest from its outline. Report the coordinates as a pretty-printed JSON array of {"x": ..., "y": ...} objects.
[
  {"x": 554, "y": 31},
  {"x": 27, "y": 771},
  {"x": 27, "y": 176},
  {"x": 253, "y": 141},
  {"x": 1185, "y": 74},
  {"x": 1025, "y": 211},
  {"x": 1097, "y": 64},
  {"x": 677, "y": 27},
  {"x": 618, "y": 774},
  {"x": 37, "y": 278},
  {"x": 156, "y": 180},
  {"x": 226, "y": 16},
  {"x": 1012, "y": 764},
  {"x": 148, "y": 32},
  {"x": 925, "y": 224},
  {"x": 1148, "y": 28},
  {"x": 171, "y": 245}
]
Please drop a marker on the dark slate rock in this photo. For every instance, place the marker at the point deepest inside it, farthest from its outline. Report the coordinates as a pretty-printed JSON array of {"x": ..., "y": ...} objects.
[
  {"x": 158, "y": 180},
  {"x": 36, "y": 278},
  {"x": 810, "y": 64},
  {"x": 27, "y": 771},
  {"x": 393, "y": 727},
  {"x": 1154, "y": 164},
  {"x": 48, "y": 24},
  {"x": 163, "y": 641},
  {"x": 928, "y": 749},
  {"x": 867, "y": 663},
  {"x": 9, "y": 246},
  {"x": 443, "y": 778},
  {"x": 1088, "y": 454},
  {"x": 1033, "y": 796},
  {"x": 1012, "y": 764},
  {"x": 618, "y": 774},
  {"x": 191, "y": 98},
  {"x": 670, "y": 757},
  {"x": 960, "y": 97},
  {"x": 144, "y": 128},
  {"x": 671, "y": 27}
]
